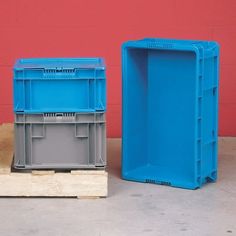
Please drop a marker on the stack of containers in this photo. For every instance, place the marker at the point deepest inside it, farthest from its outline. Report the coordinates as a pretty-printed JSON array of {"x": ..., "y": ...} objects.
[{"x": 59, "y": 107}]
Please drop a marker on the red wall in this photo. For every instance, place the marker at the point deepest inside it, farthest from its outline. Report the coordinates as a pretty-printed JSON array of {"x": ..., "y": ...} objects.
[{"x": 74, "y": 28}]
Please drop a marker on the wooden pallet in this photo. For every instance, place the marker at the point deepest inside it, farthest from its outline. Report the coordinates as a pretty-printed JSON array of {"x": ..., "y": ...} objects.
[{"x": 78, "y": 183}]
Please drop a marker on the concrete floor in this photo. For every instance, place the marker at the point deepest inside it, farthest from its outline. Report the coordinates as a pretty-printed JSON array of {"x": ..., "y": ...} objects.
[{"x": 132, "y": 208}]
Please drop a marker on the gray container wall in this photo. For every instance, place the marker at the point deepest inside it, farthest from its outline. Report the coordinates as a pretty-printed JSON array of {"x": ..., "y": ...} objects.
[{"x": 60, "y": 141}]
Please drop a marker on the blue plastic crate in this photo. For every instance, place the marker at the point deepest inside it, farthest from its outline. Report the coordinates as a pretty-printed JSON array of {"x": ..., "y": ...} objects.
[
  {"x": 170, "y": 112},
  {"x": 59, "y": 85}
]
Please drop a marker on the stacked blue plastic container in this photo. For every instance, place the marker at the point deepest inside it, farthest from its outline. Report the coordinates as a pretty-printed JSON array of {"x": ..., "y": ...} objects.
[{"x": 59, "y": 106}]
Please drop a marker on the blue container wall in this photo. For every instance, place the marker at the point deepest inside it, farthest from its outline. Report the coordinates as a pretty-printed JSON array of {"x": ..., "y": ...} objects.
[
  {"x": 209, "y": 119},
  {"x": 135, "y": 110},
  {"x": 36, "y": 91},
  {"x": 171, "y": 111}
]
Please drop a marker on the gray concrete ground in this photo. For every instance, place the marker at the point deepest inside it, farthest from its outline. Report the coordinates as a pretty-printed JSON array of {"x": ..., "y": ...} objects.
[{"x": 132, "y": 208}]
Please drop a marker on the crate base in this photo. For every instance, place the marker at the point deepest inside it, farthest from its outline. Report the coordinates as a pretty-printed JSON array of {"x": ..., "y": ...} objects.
[
  {"x": 47, "y": 183},
  {"x": 159, "y": 175}
]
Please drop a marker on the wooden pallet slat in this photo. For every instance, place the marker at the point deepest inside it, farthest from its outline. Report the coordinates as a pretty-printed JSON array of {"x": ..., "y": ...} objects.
[{"x": 6, "y": 147}]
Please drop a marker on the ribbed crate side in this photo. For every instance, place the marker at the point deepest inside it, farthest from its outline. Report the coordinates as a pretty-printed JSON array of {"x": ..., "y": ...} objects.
[
  {"x": 42, "y": 86},
  {"x": 73, "y": 95},
  {"x": 100, "y": 95},
  {"x": 210, "y": 118},
  {"x": 60, "y": 141}
]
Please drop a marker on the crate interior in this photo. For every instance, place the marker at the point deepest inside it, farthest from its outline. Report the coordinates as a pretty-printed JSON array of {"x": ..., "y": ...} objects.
[{"x": 160, "y": 116}]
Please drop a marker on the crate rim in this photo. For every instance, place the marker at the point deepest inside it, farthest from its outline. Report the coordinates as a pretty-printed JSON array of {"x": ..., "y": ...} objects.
[
  {"x": 195, "y": 46},
  {"x": 41, "y": 63}
]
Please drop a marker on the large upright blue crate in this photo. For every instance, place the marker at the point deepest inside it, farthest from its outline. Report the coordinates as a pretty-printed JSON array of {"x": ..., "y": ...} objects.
[
  {"x": 59, "y": 85},
  {"x": 170, "y": 112}
]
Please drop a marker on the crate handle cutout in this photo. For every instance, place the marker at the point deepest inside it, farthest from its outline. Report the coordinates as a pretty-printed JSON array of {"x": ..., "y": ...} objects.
[
  {"x": 153, "y": 181},
  {"x": 66, "y": 114},
  {"x": 59, "y": 70},
  {"x": 58, "y": 73},
  {"x": 59, "y": 117},
  {"x": 159, "y": 45}
]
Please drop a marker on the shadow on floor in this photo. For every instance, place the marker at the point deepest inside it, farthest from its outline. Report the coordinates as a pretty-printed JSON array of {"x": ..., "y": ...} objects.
[{"x": 114, "y": 157}]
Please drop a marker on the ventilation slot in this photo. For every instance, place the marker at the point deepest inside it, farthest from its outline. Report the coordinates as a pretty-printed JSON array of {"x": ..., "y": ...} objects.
[
  {"x": 61, "y": 73},
  {"x": 165, "y": 183},
  {"x": 66, "y": 114},
  {"x": 150, "y": 181}
]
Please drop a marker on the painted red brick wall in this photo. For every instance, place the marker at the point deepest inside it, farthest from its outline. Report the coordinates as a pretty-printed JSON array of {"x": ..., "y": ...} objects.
[{"x": 74, "y": 28}]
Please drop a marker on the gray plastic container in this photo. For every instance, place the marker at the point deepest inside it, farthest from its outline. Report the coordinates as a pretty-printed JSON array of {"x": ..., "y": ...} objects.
[{"x": 60, "y": 141}]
